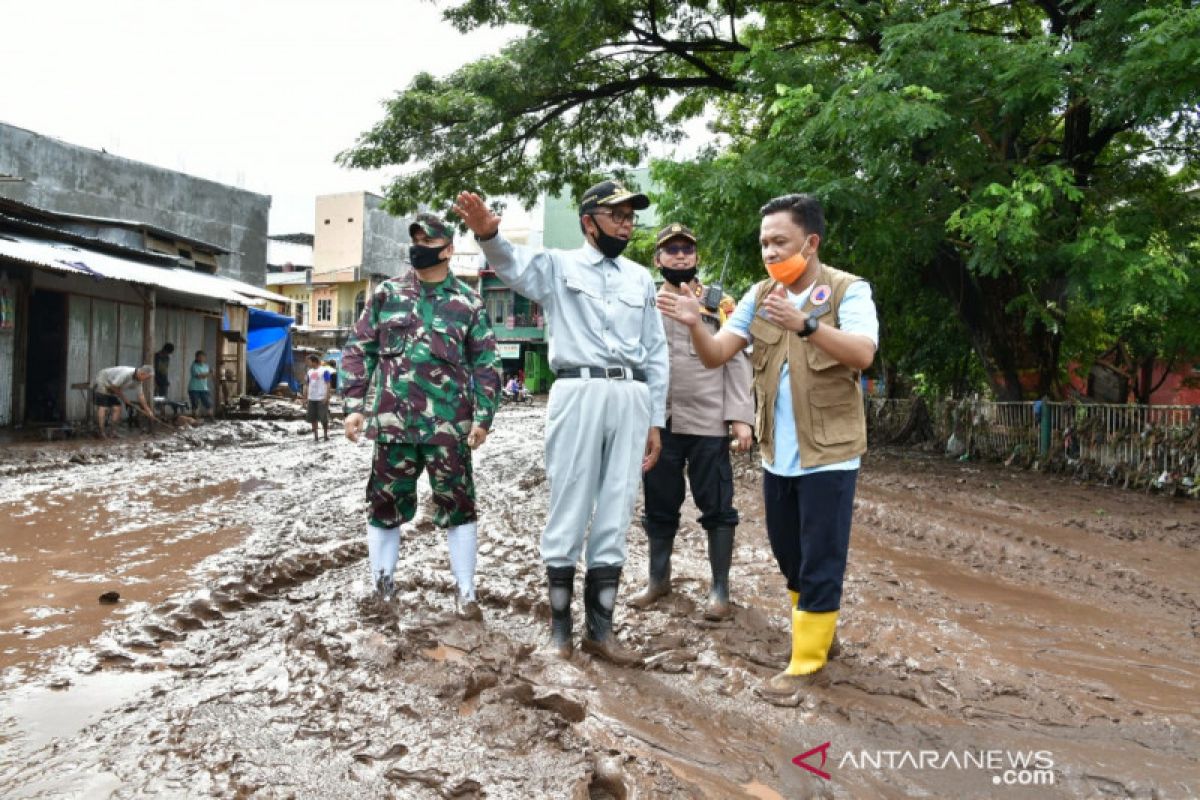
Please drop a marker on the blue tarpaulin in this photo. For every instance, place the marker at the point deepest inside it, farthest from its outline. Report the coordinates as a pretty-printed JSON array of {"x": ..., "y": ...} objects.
[{"x": 269, "y": 349}]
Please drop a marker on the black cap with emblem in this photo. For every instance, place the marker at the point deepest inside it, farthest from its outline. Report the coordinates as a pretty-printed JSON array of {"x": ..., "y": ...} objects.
[
  {"x": 672, "y": 231},
  {"x": 611, "y": 193}
]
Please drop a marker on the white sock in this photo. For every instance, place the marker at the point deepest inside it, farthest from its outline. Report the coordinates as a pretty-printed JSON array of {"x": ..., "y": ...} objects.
[
  {"x": 462, "y": 540},
  {"x": 383, "y": 550}
]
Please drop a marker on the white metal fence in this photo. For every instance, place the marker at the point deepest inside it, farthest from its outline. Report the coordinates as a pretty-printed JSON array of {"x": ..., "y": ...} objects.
[{"x": 1135, "y": 445}]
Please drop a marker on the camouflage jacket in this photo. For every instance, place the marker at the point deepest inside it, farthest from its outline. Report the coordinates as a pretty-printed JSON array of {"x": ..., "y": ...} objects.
[{"x": 432, "y": 355}]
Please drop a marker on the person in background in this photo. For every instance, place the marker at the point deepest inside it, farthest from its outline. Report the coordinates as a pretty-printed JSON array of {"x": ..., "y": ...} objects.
[
  {"x": 162, "y": 369},
  {"x": 333, "y": 370},
  {"x": 704, "y": 406},
  {"x": 111, "y": 390},
  {"x": 318, "y": 380},
  {"x": 198, "y": 391}
]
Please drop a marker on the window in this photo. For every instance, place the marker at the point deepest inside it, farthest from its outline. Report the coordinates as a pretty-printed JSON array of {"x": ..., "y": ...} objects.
[
  {"x": 360, "y": 302},
  {"x": 497, "y": 308},
  {"x": 325, "y": 310},
  {"x": 326, "y": 222},
  {"x": 301, "y": 312},
  {"x": 349, "y": 219}
]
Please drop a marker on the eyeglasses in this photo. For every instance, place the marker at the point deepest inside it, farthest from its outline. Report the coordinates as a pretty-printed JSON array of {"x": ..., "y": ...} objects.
[
  {"x": 684, "y": 248},
  {"x": 620, "y": 217}
]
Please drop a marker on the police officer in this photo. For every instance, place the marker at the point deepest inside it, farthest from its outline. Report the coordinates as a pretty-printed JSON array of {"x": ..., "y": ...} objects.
[
  {"x": 427, "y": 335},
  {"x": 702, "y": 406},
  {"x": 814, "y": 329},
  {"x": 608, "y": 401}
]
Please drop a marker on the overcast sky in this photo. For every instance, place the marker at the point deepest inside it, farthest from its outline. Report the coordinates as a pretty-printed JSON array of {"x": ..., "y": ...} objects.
[{"x": 257, "y": 93}]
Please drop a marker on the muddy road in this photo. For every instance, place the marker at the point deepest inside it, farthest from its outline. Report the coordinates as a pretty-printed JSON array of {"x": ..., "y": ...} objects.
[{"x": 1004, "y": 634}]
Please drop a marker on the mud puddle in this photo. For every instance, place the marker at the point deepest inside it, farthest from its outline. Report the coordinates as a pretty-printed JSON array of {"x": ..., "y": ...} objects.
[
  {"x": 60, "y": 551},
  {"x": 33, "y": 716},
  {"x": 984, "y": 614}
]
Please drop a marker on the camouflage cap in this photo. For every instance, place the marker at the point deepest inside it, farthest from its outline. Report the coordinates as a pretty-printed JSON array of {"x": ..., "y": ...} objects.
[
  {"x": 672, "y": 231},
  {"x": 434, "y": 227},
  {"x": 611, "y": 193}
]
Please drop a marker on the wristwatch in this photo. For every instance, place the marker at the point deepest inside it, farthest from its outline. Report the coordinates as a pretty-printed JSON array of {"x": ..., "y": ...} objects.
[{"x": 810, "y": 325}]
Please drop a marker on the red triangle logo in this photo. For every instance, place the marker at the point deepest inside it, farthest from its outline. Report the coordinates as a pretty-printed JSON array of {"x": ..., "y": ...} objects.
[{"x": 800, "y": 761}]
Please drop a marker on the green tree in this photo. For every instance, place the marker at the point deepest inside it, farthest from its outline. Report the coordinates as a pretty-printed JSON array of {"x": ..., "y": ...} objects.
[{"x": 988, "y": 165}]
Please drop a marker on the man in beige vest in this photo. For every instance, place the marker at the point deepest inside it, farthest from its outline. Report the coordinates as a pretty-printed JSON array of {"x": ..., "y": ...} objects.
[
  {"x": 814, "y": 329},
  {"x": 703, "y": 407}
]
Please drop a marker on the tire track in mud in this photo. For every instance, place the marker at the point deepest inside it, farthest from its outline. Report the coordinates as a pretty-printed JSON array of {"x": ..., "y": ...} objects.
[{"x": 278, "y": 680}]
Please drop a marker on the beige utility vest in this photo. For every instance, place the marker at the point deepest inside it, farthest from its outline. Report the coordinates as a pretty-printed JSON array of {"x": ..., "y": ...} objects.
[{"x": 827, "y": 403}]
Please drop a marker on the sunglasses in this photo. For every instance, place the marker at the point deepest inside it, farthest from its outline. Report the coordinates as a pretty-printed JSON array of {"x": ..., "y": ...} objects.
[{"x": 686, "y": 248}]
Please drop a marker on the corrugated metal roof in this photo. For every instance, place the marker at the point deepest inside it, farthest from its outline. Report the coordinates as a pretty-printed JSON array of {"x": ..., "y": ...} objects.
[
  {"x": 62, "y": 257},
  {"x": 130, "y": 224},
  {"x": 254, "y": 291}
]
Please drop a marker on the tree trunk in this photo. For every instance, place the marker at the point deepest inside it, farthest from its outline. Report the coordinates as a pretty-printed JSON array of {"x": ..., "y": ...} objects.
[
  {"x": 1020, "y": 365},
  {"x": 1145, "y": 380}
]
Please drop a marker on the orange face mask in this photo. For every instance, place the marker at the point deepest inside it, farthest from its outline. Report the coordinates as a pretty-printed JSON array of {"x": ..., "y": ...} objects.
[{"x": 789, "y": 270}]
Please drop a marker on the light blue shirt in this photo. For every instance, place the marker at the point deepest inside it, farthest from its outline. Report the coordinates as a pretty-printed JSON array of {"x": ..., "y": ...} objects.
[
  {"x": 856, "y": 314},
  {"x": 599, "y": 311}
]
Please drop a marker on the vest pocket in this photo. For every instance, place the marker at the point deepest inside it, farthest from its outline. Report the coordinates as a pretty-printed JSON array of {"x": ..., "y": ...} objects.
[
  {"x": 834, "y": 415},
  {"x": 818, "y": 359},
  {"x": 765, "y": 336}
]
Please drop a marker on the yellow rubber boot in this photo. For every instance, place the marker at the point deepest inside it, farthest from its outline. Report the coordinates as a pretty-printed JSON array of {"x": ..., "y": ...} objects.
[
  {"x": 812, "y": 634},
  {"x": 795, "y": 597}
]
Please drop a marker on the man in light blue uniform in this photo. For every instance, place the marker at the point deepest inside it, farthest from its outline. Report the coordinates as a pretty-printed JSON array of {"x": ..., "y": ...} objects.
[{"x": 608, "y": 402}]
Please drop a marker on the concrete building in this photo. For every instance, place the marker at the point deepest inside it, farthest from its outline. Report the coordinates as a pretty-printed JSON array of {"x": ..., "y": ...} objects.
[
  {"x": 356, "y": 246},
  {"x": 109, "y": 270},
  {"x": 289, "y": 269},
  {"x": 70, "y": 179}
]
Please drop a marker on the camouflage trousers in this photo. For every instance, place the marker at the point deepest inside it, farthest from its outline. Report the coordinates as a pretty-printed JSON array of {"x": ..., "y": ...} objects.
[{"x": 392, "y": 487}]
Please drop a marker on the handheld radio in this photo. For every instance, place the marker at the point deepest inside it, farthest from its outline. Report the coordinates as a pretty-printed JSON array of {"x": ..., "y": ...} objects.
[{"x": 716, "y": 291}]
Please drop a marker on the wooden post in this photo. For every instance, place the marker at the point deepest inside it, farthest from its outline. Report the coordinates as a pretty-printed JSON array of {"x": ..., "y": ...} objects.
[{"x": 148, "y": 308}]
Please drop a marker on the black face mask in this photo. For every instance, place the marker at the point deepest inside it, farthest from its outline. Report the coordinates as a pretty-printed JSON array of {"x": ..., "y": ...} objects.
[
  {"x": 678, "y": 276},
  {"x": 610, "y": 246},
  {"x": 423, "y": 257}
]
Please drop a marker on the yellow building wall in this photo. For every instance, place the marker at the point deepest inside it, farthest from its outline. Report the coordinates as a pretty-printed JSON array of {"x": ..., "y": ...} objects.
[
  {"x": 300, "y": 294},
  {"x": 347, "y": 299}
]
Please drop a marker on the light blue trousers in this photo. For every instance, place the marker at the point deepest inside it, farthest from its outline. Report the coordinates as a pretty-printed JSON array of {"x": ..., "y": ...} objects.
[{"x": 595, "y": 440}]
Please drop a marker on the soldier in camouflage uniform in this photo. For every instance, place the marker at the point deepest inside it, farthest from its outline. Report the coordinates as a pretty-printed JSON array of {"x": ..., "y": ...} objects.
[{"x": 424, "y": 337}]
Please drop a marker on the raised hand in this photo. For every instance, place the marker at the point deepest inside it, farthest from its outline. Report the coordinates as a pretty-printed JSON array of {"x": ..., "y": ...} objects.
[
  {"x": 678, "y": 303},
  {"x": 482, "y": 221},
  {"x": 780, "y": 310}
]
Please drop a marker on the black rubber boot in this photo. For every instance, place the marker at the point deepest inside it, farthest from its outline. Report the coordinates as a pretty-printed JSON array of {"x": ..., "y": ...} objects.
[
  {"x": 561, "y": 582},
  {"x": 659, "y": 584},
  {"x": 720, "y": 556},
  {"x": 599, "y": 596}
]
